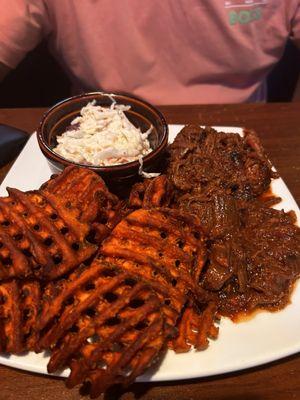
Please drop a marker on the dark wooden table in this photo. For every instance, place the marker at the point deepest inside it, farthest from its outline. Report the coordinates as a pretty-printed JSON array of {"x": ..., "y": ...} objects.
[{"x": 279, "y": 129}]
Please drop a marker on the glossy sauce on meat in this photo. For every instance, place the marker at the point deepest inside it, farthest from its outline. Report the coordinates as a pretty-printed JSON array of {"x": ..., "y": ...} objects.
[
  {"x": 204, "y": 162},
  {"x": 254, "y": 250}
]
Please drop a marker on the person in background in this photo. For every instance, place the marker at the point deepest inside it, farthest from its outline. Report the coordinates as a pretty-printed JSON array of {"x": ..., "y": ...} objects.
[{"x": 164, "y": 51}]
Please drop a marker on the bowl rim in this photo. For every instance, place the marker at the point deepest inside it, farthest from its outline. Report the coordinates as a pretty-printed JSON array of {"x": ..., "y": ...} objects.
[{"x": 116, "y": 167}]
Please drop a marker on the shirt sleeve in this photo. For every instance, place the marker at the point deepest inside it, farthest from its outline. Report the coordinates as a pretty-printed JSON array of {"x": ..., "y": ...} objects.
[
  {"x": 295, "y": 26},
  {"x": 23, "y": 23}
]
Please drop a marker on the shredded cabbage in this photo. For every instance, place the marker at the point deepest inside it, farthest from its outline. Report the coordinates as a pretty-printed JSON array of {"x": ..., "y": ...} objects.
[{"x": 103, "y": 136}]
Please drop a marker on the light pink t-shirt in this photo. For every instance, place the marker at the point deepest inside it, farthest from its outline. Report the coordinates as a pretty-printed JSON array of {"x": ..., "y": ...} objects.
[{"x": 165, "y": 51}]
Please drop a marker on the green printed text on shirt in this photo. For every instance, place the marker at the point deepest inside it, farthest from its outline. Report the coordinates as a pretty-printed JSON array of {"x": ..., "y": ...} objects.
[{"x": 245, "y": 16}]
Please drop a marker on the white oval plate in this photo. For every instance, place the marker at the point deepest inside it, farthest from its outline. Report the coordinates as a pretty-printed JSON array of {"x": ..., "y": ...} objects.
[{"x": 263, "y": 338}]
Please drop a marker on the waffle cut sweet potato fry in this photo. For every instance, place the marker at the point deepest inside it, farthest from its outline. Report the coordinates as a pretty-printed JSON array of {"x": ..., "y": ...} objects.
[
  {"x": 195, "y": 328},
  {"x": 164, "y": 248},
  {"x": 19, "y": 308},
  {"x": 82, "y": 189},
  {"x": 43, "y": 232},
  {"x": 104, "y": 323},
  {"x": 156, "y": 192}
]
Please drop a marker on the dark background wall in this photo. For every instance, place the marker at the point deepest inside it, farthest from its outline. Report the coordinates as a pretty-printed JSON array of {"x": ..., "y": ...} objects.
[
  {"x": 283, "y": 79},
  {"x": 39, "y": 80}
]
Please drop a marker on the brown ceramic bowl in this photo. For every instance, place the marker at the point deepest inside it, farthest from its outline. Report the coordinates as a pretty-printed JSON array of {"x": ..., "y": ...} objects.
[{"x": 143, "y": 115}]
